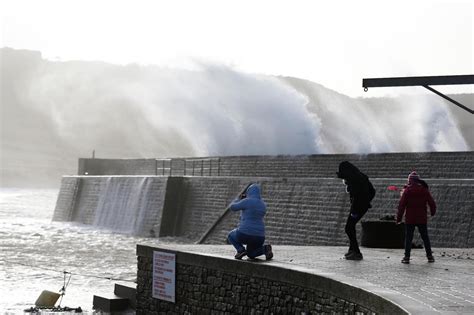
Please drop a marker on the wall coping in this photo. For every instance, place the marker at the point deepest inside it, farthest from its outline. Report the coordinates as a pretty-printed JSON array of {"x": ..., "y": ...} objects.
[
  {"x": 279, "y": 179},
  {"x": 379, "y": 300},
  {"x": 290, "y": 155}
]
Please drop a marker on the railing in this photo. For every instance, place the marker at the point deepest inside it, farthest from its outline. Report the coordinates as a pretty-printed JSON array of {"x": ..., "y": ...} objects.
[
  {"x": 188, "y": 167},
  {"x": 202, "y": 167},
  {"x": 163, "y": 167}
]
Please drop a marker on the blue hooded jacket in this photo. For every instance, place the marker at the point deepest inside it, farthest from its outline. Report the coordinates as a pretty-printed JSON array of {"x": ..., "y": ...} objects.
[{"x": 253, "y": 210}]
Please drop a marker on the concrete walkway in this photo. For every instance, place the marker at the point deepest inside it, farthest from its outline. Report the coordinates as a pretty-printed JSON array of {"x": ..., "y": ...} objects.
[{"x": 446, "y": 286}]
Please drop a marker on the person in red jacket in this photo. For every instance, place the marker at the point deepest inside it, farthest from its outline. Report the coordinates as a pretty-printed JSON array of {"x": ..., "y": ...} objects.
[{"x": 415, "y": 197}]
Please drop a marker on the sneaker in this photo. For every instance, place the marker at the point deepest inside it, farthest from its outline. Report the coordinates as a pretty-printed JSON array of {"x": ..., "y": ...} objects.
[
  {"x": 354, "y": 256},
  {"x": 240, "y": 255},
  {"x": 406, "y": 260},
  {"x": 431, "y": 259},
  {"x": 268, "y": 252}
]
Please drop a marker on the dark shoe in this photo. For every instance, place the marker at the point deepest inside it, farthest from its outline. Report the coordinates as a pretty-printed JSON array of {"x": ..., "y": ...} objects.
[
  {"x": 406, "y": 260},
  {"x": 431, "y": 259},
  {"x": 240, "y": 255},
  {"x": 350, "y": 251},
  {"x": 268, "y": 252},
  {"x": 354, "y": 256}
]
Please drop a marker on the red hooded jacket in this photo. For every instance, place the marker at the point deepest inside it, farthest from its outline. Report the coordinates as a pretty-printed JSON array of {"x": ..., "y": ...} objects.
[{"x": 413, "y": 203}]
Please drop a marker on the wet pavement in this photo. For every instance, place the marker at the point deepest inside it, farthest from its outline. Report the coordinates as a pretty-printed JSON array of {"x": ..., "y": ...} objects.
[{"x": 445, "y": 286}]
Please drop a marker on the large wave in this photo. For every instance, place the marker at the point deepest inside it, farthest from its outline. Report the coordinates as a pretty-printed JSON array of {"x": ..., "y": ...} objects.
[
  {"x": 211, "y": 111},
  {"x": 408, "y": 123},
  {"x": 150, "y": 111}
]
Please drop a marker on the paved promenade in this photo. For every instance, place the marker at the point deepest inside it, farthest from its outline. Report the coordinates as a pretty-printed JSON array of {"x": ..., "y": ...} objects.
[{"x": 445, "y": 287}]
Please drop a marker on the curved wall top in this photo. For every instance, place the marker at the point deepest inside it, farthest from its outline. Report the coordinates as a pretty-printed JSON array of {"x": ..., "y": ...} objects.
[{"x": 196, "y": 272}]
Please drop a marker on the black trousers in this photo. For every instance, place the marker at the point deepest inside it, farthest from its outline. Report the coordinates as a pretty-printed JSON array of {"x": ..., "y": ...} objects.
[
  {"x": 351, "y": 231},
  {"x": 409, "y": 231}
]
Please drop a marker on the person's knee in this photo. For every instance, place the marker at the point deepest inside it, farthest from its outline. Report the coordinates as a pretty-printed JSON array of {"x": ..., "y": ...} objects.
[{"x": 232, "y": 235}]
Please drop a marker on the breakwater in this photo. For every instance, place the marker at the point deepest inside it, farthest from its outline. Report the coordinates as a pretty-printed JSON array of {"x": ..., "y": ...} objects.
[
  {"x": 302, "y": 210},
  {"x": 375, "y": 165}
]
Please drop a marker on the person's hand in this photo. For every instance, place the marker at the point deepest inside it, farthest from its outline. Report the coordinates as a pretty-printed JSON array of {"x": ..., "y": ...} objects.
[
  {"x": 398, "y": 222},
  {"x": 354, "y": 215}
]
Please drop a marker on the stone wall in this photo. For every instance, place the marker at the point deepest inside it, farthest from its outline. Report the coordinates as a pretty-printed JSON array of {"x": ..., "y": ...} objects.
[
  {"x": 215, "y": 285},
  {"x": 87, "y": 199},
  {"x": 67, "y": 199},
  {"x": 118, "y": 166},
  {"x": 381, "y": 165},
  {"x": 314, "y": 211},
  {"x": 301, "y": 211},
  {"x": 83, "y": 198}
]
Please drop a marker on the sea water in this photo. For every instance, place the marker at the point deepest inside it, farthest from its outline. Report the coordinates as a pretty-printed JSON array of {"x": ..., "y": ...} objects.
[{"x": 35, "y": 252}]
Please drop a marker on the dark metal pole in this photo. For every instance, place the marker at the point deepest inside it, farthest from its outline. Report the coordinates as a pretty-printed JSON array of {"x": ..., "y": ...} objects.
[
  {"x": 424, "y": 82},
  {"x": 417, "y": 81},
  {"x": 448, "y": 98}
]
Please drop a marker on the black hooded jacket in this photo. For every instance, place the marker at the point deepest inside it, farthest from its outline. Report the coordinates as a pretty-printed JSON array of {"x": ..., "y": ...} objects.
[{"x": 359, "y": 187}]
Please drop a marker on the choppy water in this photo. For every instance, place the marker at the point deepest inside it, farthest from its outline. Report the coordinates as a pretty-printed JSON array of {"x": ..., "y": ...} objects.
[{"x": 34, "y": 252}]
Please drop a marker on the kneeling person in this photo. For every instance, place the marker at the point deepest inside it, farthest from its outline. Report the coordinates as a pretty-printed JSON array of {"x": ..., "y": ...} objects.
[{"x": 251, "y": 230}]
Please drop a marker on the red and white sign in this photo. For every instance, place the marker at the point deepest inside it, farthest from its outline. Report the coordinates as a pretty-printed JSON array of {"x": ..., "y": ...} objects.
[{"x": 164, "y": 276}]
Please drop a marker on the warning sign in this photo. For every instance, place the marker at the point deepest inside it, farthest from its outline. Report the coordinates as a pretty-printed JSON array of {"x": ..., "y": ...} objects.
[{"x": 164, "y": 276}]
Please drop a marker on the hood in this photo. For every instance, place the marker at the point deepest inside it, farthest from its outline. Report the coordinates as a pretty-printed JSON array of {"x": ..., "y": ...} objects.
[
  {"x": 253, "y": 191},
  {"x": 347, "y": 171}
]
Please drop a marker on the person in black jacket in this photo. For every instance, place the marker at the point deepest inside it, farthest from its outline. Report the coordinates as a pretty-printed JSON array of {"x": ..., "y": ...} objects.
[{"x": 361, "y": 194}]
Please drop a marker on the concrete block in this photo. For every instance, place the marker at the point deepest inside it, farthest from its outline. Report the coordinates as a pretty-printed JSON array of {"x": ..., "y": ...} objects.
[
  {"x": 127, "y": 291},
  {"x": 110, "y": 303}
]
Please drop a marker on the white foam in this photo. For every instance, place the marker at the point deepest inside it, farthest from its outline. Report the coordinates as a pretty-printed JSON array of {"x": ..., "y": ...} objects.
[{"x": 151, "y": 111}]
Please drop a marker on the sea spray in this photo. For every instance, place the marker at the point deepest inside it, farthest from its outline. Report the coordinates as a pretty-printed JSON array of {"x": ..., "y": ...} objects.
[
  {"x": 71, "y": 108},
  {"x": 409, "y": 123},
  {"x": 214, "y": 111}
]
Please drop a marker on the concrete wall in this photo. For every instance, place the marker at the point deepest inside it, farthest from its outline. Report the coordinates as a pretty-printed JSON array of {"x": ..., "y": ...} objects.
[
  {"x": 67, "y": 199},
  {"x": 314, "y": 211},
  {"x": 215, "y": 285},
  {"x": 383, "y": 165},
  {"x": 82, "y": 197},
  {"x": 301, "y": 211},
  {"x": 117, "y": 167}
]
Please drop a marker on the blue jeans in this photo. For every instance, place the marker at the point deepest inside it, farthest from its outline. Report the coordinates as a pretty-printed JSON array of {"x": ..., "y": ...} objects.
[
  {"x": 254, "y": 243},
  {"x": 409, "y": 231}
]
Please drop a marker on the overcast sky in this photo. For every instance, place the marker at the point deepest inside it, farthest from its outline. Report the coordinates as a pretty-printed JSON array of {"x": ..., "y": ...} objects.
[{"x": 334, "y": 43}]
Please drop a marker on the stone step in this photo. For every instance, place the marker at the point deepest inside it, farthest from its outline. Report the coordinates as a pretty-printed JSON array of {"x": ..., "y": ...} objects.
[
  {"x": 127, "y": 291},
  {"x": 110, "y": 303}
]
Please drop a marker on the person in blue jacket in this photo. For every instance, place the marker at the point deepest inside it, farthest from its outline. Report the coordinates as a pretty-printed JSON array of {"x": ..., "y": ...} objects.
[{"x": 251, "y": 230}]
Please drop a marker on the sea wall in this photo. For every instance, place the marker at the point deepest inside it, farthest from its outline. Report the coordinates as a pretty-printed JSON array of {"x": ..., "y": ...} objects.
[
  {"x": 216, "y": 285},
  {"x": 314, "y": 211},
  {"x": 381, "y": 165},
  {"x": 301, "y": 211},
  {"x": 118, "y": 166},
  {"x": 126, "y": 204}
]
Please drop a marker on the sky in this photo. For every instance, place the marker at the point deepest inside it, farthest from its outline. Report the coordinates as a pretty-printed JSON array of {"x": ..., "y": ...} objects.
[{"x": 334, "y": 43}]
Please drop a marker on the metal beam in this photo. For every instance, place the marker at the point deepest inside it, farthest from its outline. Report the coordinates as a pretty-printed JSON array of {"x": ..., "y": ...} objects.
[
  {"x": 415, "y": 81},
  {"x": 424, "y": 82},
  {"x": 449, "y": 99}
]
